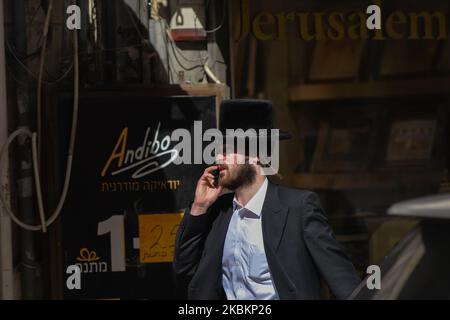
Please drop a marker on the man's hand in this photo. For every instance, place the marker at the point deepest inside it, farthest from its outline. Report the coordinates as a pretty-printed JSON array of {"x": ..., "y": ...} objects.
[{"x": 206, "y": 193}]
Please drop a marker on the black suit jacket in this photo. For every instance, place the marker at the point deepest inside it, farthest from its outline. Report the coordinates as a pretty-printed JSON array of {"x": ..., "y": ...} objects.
[{"x": 298, "y": 241}]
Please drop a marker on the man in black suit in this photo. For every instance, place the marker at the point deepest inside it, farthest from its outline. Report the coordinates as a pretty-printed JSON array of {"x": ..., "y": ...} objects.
[{"x": 263, "y": 241}]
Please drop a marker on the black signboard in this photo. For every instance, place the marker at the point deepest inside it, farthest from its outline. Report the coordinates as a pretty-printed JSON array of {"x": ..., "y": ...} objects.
[{"x": 126, "y": 193}]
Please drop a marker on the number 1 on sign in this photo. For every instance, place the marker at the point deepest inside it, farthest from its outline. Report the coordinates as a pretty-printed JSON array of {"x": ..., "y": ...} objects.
[{"x": 115, "y": 226}]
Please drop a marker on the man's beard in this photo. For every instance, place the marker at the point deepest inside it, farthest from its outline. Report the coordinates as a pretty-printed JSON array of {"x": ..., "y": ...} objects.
[{"x": 245, "y": 175}]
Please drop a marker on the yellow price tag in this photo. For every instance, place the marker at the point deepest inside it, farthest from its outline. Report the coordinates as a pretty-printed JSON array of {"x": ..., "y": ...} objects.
[{"x": 157, "y": 236}]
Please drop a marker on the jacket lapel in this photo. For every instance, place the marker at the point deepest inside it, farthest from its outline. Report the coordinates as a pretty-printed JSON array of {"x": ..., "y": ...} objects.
[
  {"x": 274, "y": 218},
  {"x": 223, "y": 227},
  {"x": 274, "y": 215},
  {"x": 220, "y": 234}
]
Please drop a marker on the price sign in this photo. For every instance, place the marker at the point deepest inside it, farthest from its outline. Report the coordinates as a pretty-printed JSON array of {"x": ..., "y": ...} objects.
[{"x": 157, "y": 236}]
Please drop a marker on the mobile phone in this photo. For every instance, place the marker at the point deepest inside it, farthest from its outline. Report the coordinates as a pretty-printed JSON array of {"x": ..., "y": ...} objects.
[{"x": 216, "y": 174}]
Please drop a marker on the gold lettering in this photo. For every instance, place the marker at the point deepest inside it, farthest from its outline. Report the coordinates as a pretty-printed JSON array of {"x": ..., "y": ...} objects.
[
  {"x": 282, "y": 23},
  {"x": 428, "y": 25},
  {"x": 358, "y": 30},
  {"x": 303, "y": 26},
  {"x": 338, "y": 25},
  {"x": 318, "y": 26},
  {"x": 263, "y": 19},
  {"x": 121, "y": 144},
  {"x": 395, "y": 18},
  {"x": 336, "y": 30}
]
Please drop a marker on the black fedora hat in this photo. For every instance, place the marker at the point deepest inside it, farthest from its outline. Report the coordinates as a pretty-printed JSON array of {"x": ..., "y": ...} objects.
[{"x": 249, "y": 114}]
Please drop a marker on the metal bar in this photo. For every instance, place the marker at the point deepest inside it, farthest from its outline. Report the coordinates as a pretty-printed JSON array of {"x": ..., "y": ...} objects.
[
  {"x": 6, "y": 256},
  {"x": 31, "y": 273}
]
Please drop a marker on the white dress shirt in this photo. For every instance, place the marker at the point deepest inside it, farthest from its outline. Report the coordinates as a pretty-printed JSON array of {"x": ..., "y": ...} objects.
[{"x": 245, "y": 272}]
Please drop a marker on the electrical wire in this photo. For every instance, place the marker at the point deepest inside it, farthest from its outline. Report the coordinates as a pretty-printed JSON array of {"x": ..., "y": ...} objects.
[
  {"x": 37, "y": 181},
  {"x": 20, "y": 61},
  {"x": 223, "y": 18},
  {"x": 175, "y": 47},
  {"x": 210, "y": 74},
  {"x": 40, "y": 76},
  {"x": 11, "y": 74},
  {"x": 63, "y": 76},
  {"x": 31, "y": 73},
  {"x": 177, "y": 53},
  {"x": 167, "y": 29},
  {"x": 22, "y": 131}
]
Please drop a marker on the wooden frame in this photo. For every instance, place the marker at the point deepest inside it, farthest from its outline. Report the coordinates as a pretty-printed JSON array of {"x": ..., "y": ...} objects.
[
  {"x": 416, "y": 140},
  {"x": 344, "y": 147},
  {"x": 408, "y": 58},
  {"x": 336, "y": 60},
  {"x": 372, "y": 89},
  {"x": 411, "y": 141}
]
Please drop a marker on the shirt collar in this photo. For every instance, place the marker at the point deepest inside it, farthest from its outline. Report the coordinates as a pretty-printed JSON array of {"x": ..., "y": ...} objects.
[{"x": 256, "y": 203}]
